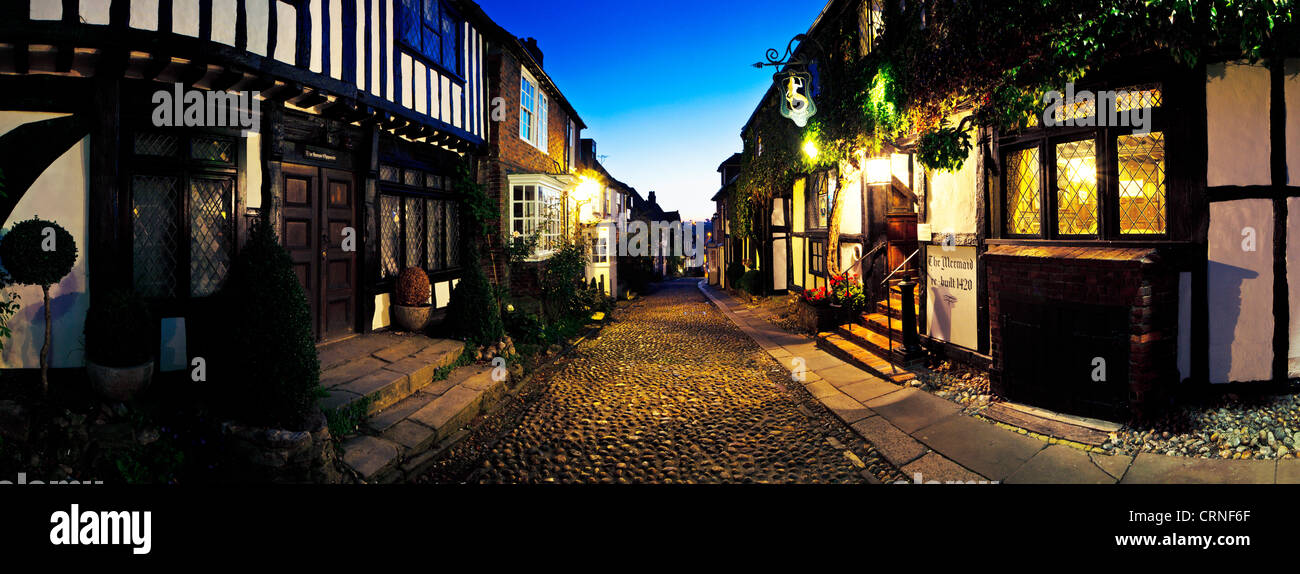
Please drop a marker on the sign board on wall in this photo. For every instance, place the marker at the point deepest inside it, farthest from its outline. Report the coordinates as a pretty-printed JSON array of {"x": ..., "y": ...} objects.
[{"x": 952, "y": 304}]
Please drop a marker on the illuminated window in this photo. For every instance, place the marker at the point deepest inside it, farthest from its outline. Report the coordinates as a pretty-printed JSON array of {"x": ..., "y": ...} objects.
[
  {"x": 1076, "y": 188},
  {"x": 537, "y": 210},
  {"x": 817, "y": 257},
  {"x": 1142, "y": 184},
  {"x": 1023, "y": 197}
]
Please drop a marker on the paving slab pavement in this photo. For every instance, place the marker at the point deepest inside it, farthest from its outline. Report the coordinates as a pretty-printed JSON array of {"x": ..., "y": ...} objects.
[
  {"x": 911, "y": 409},
  {"x": 1060, "y": 464},
  {"x": 1150, "y": 468}
]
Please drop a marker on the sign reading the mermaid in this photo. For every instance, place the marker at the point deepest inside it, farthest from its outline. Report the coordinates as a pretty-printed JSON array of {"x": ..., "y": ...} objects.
[{"x": 952, "y": 306}]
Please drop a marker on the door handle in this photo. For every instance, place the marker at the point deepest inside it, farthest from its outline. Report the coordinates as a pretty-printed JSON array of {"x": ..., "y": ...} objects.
[{"x": 325, "y": 244}]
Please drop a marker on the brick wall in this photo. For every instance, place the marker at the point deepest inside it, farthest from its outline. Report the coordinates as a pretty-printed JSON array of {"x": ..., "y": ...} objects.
[
  {"x": 510, "y": 154},
  {"x": 1130, "y": 278}
]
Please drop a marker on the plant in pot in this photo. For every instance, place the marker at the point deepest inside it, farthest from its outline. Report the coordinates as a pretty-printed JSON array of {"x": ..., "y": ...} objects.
[
  {"x": 119, "y": 350},
  {"x": 412, "y": 310},
  {"x": 816, "y": 314},
  {"x": 38, "y": 252}
]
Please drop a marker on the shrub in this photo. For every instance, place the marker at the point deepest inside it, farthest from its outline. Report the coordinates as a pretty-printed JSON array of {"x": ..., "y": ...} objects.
[
  {"x": 749, "y": 282},
  {"x": 524, "y": 327},
  {"x": 276, "y": 373},
  {"x": 25, "y": 254},
  {"x": 37, "y": 252},
  {"x": 735, "y": 270},
  {"x": 472, "y": 312},
  {"x": 413, "y": 287},
  {"x": 118, "y": 330}
]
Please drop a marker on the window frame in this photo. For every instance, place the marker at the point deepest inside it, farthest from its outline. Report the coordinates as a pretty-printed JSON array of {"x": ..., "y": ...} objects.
[
  {"x": 185, "y": 169},
  {"x": 445, "y": 13},
  {"x": 436, "y": 188},
  {"x": 545, "y": 196},
  {"x": 538, "y": 113},
  {"x": 1106, "y": 139}
]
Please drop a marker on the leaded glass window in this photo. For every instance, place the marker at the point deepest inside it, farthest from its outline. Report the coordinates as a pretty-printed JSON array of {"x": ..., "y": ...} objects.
[
  {"x": 156, "y": 234},
  {"x": 1076, "y": 188},
  {"x": 1023, "y": 197},
  {"x": 1142, "y": 184},
  {"x": 390, "y": 222},
  {"x": 182, "y": 193},
  {"x": 415, "y": 232}
]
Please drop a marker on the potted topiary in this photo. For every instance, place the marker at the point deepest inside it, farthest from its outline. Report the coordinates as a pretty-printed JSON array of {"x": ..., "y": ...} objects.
[
  {"x": 411, "y": 310},
  {"x": 38, "y": 252},
  {"x": 119, "y": 353}
]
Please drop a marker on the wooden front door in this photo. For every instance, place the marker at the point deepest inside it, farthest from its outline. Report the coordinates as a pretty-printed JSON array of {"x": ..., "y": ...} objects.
[{"x": 319, "y": 216}]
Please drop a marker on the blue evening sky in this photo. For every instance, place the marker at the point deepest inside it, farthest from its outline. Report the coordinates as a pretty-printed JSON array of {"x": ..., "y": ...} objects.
[{"x": 664, "y": 87}]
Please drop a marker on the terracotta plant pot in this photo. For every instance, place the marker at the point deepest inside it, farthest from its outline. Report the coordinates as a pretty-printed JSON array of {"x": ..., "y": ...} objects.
[
  {"x": 411, "y": 318},
  {"x": 119, "y": 384}
]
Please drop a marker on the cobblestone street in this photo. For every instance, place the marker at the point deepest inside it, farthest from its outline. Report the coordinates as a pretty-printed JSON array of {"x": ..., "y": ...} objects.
[{"x": 673, "y": 392}]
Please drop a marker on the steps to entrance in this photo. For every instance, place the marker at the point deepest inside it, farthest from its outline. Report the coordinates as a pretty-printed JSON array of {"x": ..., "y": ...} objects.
[
  {"x": 855, "y": 354},
  {"x": 382, "y": 367},
  {"x": 398, "y": 442}
]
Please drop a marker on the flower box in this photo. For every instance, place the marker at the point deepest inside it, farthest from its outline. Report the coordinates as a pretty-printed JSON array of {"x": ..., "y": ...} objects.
[{"x": 818, "y": 318}]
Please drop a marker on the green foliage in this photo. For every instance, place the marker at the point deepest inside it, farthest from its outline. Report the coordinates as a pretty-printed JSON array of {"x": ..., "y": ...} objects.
[
  {"x": 273, "y": 375},
  {"x": 156, "y": 463},
  {"x": 735, "y": 270},
  {"x": 749, "y": 282},
  {"x": 525, "y": 327},
  {"x": 24, "y": 253},
  {"x": 473, "y": 312},
  {"x": 8, "y": 307},
  {"x": 945, "y": 148},
  {"x": 478, "y": 208},
  {"x": 562, "y": 280},
  {"x": 521, "y": 247},
  {"x": 345, "y": 420},
  {"x": 119, "y": 330}
]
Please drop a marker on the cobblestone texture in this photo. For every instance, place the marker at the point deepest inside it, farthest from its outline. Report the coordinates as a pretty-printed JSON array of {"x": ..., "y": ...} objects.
[{"x": 673, "y": 392}]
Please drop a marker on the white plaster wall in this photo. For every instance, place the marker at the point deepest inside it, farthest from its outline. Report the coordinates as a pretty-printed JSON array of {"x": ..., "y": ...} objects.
[
  {"x": 144, "y": 14},
  {"x": 798, "y": 206},
  {"x": 780, "y": 280},
  {"x": 58, "y": 195},
  {"x": 847, "y": 257},
  {"x": 46, "y": 10},
  {"x": 94, "y": 11},
  {"x": 1241, "y": 291},
  {"x": 799, "y": 270},
  {"x": 185, "y": 17},
  {"x": 381, "y": 318},
  {"x": 1293, "y": 283},
  {"x": 851, "y": 208},
  {"x": 952, "y": 198},
  {"x": 1237, "y": 118},
  {"x": 1292, "y": 86}
]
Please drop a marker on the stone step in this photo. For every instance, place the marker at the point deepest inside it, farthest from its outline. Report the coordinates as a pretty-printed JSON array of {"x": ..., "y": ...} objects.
[
  {"x": 877, "y": 343},
  {"x": 854, "y": 354},
  {"x": 883, "y": 324},
  {"x": 372, "y": 458},
  {"x": 461, "y": 403},
  {"x": 399, "y": 368}
]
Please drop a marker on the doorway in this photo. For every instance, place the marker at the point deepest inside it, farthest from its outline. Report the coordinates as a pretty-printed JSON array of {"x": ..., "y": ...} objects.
[{"x": 320, "y": 234}]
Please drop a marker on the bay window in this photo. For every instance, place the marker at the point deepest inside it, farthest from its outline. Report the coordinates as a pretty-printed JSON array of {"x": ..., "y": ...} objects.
[{"x": 537, "y": 210}]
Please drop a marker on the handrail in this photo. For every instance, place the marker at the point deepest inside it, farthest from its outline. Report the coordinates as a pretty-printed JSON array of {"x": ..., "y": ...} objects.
[
  {"x": 889, "y": 307},
  {"x": 900, "y": 266},
  {"x": 871, "y": 252}
]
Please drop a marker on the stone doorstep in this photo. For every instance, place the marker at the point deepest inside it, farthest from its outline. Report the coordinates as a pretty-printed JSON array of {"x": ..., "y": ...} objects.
[
  {"x": 449, "y": 412},
  {"x": 385, "y": 419},
  {"x": 370, "y": 456},
  {"x": 402, "y": 350},
  {"x": 350, "y": 371},
  {"x": 412, "y": 435},
  {"x": 383, "y": 387},
  {"x": 334, "y": 354}
]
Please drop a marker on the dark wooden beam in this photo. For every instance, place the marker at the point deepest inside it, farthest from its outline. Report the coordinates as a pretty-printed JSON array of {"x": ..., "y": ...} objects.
[
  {"x": 338, "y": 109},
  {"x": 63, "y": 55},
  {"x": 192, "y": 73},
  {"x": 283, "y": 92},
  {"x": 309, "y": 99},
  {"x": 22, "y": 59},
  {"x": 156, "y": 65},
  {"x": 227, "y": 79}
]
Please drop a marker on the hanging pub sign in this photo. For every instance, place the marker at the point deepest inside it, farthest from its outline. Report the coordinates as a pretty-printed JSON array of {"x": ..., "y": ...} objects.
[{"x": 796, "y": 85}]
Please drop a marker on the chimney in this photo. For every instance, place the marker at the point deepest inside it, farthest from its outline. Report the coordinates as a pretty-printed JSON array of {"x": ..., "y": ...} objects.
[
  {"x": 530, "y": 44},
  {"x": 651, "y": 198}
]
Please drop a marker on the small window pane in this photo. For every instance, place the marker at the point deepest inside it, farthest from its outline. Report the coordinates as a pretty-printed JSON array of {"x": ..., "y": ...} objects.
[
  {"x": 156, "y": 234},
  {"x": 156, "y": 145},
  {"x": 1023, "y": 192},
  {"x": 1142, "y": 184},
  {"x": 388, "y": 173},
  {"x": 211, "y": 149},
  {"x": 1076, "y": 188},
  {"x": 210, "y": 234},
  {"x": 414, "y": 232},
  {"x": 433, "y": 235},
  {"x": 414, "y": 177},
  {"x": 453, "y": 233},
  {"x": 390, "y": 220}
]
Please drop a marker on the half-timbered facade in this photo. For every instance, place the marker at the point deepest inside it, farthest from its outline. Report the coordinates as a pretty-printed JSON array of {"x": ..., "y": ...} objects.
[{"x": 359, "y": 114}]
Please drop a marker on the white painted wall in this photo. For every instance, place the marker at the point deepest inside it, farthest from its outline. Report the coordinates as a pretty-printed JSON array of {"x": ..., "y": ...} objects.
[
  {"x": 952, "y": 204},
  {"x": 1241, "y": 290},
  {"x": 851, "y": 209},
  {"x": 798, "y": 207},
  {"x": 780, "y": 279},
  {"x": 799, "y": 271},
  {"x": 1237, "y": 118},
  {"x": 58, "y": 195}
]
